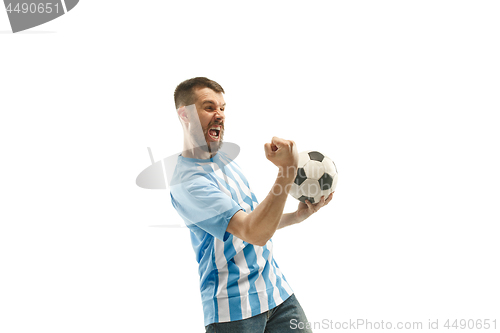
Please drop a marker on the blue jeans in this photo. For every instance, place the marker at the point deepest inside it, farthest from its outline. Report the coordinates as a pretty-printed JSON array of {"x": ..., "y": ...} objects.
[{"x": 283, "y": 318}]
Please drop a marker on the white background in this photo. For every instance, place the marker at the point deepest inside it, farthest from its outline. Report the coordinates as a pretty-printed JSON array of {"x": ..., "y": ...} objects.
[{"x": 403, "y": 96}]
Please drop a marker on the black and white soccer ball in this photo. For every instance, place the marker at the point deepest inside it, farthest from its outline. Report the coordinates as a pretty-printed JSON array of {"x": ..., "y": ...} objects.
[{"x": 316, "y": 176}]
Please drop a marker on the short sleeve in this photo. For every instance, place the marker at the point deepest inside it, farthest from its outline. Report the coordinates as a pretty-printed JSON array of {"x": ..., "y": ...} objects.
[{"x": 201, "y": 203}]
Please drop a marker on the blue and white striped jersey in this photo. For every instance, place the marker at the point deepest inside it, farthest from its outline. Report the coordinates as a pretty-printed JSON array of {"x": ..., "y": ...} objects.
[{"x": 238, "y": 280}]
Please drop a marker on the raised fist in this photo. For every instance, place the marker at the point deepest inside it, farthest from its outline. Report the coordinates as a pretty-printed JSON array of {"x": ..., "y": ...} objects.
[{"x": 283, "y": 154}]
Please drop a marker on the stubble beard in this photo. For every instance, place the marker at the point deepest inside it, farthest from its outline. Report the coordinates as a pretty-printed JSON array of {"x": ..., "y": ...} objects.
[{"x": 213, "y": 147}]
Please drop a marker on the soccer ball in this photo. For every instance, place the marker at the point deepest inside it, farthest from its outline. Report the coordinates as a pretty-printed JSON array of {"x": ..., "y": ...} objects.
[{"x": 316, "y": 176}]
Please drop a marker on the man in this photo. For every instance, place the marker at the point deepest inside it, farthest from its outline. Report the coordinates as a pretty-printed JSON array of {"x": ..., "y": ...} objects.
[{"x": 242, "y": 287}]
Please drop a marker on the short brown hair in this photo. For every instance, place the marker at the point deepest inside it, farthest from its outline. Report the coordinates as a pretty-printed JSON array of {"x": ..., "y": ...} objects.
[{"x": 184, "y": 93}]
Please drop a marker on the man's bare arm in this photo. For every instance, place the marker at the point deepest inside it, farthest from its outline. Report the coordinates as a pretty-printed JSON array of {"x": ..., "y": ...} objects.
[
  {"x": 260, "y": 225},
  {"x": 304, "y": 211}
]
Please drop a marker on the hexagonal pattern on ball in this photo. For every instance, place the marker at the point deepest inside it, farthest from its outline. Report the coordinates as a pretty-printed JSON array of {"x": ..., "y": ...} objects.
[
  {"x": 300, "y": 177},
  {"x": 326, "y": 181},
  {"x": 316, "y": 156},
  {"x": 330, "y": 167},
  {"x": 303, "y": 158},
  {"x": 334, "y": 184},
  {"x": 295, "y": 191},
  {"x": 326, "y": 193},
  {"x": 310, "y": 188},
  {"x": 303, "y": 198},
  {"x": 317, "y": 197},
  {"x": 316, "y": 177},
  {"x": 314, "y": 169}
]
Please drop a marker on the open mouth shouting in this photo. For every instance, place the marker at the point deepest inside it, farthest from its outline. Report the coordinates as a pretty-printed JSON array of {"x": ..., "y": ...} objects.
[{"x": 214, "y": 132}]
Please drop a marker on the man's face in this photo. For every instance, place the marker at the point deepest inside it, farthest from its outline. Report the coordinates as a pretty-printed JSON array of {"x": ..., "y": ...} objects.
[{"x": 210, "y": 106}]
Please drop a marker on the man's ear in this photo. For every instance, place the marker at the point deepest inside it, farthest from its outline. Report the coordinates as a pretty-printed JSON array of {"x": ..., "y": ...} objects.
[{"x": 181, "y": 112}]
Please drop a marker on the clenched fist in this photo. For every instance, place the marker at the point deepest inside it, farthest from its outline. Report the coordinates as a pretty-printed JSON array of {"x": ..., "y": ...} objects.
[{"x": 283, "y": 154}]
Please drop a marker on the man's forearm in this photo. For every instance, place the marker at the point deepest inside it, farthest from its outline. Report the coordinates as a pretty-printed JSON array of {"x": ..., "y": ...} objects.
[
  {"x": 266, "y": 217},
  {"x": 288, "y": 219}
]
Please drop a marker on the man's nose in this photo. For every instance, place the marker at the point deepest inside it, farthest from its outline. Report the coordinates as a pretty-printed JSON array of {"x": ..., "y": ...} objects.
[{"x": 219, "y": 115}]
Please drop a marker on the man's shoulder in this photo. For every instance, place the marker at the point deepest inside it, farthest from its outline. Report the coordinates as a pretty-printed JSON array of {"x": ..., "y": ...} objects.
[{"x": 190, "y": 172}]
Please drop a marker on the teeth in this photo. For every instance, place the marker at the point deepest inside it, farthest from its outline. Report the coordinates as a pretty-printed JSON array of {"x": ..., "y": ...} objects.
[{"x": 214, "y": 136}]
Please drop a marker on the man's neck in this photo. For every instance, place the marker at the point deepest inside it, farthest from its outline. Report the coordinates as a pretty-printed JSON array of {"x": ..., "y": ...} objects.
[{"x": 197, "y": 153}]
